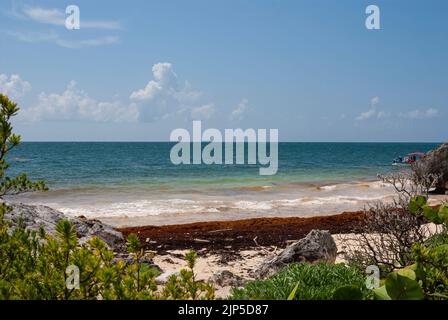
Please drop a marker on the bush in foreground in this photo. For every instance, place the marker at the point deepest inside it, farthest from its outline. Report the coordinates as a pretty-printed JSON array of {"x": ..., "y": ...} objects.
[
  {"x": 36, "y": 266},
  {"x": 313, "y": 282}
]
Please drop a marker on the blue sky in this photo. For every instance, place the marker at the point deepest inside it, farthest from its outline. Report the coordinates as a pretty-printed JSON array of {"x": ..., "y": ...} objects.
[{"x": 138, "y": 69}]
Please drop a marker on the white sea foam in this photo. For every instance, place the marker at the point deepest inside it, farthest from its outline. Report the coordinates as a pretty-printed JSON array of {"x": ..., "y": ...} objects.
[{"x": 299, "y": 201}]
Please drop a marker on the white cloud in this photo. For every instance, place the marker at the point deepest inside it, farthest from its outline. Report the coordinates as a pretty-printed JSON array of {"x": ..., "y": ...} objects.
[
  {"x": 74, "y": 104},
  {"x": 163, "y": 97},
  {"x": 372, "y": 112},
  {"x": 203, "y": 112},
  {"x": 57, "y": 17},
  {"x": 240, "y": 111},
  {"x": 421, "y": 114},
  {"x": 53, "y": 37},
  {"x": 13, "y": 86},
  {"x": 366, "y": 115}
]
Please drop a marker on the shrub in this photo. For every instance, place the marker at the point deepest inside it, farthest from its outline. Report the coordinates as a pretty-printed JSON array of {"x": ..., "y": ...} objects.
[
  {"x": 33, "y": 265},
  {"x": 427, "y": 278},
  {"x": 314, "y": 282},
  {"x": 385, "y": 236}
]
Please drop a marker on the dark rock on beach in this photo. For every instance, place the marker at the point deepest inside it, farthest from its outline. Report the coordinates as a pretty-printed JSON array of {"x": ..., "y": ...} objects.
[
  {"x": 34, "y": 217},
  {"x": 435, "y": 162},
  {"x": 317, "y": 246}
]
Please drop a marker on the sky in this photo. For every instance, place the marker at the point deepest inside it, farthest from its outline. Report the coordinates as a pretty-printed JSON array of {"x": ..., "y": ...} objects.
[{"x": 136, "y": 70}]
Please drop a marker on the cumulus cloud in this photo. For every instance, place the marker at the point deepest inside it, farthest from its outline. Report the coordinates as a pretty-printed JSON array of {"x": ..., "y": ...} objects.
[
  {"x": 240, "y": 111},
  {"x": 421, "y": 114},
  {"x": 164, "y": 97},
  {"x": 372, "y": 112},
  {"x": 74, "y": 104},
  {"x": 160, "y": 99},
  {"x": 13, "y": 85}
]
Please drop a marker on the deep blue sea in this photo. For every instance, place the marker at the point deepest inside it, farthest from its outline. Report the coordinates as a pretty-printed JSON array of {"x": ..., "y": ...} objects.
[{"x": 125, "y": 180}]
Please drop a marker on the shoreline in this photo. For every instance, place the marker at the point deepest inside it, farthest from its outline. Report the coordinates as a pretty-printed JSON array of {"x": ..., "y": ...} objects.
[{"x": 237, "y": 235}]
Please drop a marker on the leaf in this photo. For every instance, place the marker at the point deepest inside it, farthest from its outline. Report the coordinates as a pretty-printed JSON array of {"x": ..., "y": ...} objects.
[
  {"x": 401, "y": 285},
  {"x": 347, "y": 293},
  {"x": 432, "y": 215},
  {"x": 293, "y": 292},
  {"x": 443, "y": 212},
  {"x": 441, "y": 250},
  {"x": 407, "y": 272},
  {"x": 381, "y": 293},
  {"x": 133, "y": 243},
  {"x": 416, "y": 203}
]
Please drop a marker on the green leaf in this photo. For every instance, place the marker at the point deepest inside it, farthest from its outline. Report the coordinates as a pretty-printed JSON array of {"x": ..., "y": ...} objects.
[
  {"x": 401, "y": 285},
  {"x": 133, "y": 243},
  {"x": 441, "y": 250},
  {"x": 443, "y": 212},
  {"x": 381, "y": 293},
  {"x": 407, "y": 272},
  {"x": 432, "y": 215},
  {"x": 293, "y": 292},
  {"x": 347, "y": 293},
  {"x": 416, "y": 203}
]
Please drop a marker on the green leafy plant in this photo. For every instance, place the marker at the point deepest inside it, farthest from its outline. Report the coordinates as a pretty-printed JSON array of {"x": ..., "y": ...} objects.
[
  {"x": 33, "y": 265},
  {"x": 9, "y": 141},
  {"x": 400, "y": 285},
  {"x": 185, "y": 286},
  {"x": 313, "y": 282},
  {"x": 349, "y": 292},
  {"x": 427, "y": 278}
]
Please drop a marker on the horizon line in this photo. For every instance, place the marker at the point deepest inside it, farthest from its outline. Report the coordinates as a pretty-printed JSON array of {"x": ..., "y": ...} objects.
[{"x": 165, "y": 141}]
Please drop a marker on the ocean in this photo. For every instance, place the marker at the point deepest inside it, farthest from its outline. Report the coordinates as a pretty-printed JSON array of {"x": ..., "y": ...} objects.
[{"x": 129, "y": 183}]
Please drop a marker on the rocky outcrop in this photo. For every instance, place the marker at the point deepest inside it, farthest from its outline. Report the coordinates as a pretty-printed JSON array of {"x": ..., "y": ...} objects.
[
  {"x": 317, "y": 246},
  {"x": 435, "y": 162},
  {"x": 34, "y": 217}
]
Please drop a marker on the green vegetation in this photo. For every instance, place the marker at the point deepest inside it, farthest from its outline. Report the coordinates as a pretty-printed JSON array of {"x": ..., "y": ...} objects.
[
  {"x": 319, "y": 281},
  {"x": 34, "y": 265},
  {"x": 8, "y": 141},
  {"x": 427, "y": 278}
]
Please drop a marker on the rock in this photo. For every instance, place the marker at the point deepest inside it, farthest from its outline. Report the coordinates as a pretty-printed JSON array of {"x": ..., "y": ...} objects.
[
  {"x": 435, "y": 162},
  {"x": 317, "y": 246},
  {"x": 34, "y": 217},
  {"x": 163, "y": 278},
  {"x": 226, "y": 278}
]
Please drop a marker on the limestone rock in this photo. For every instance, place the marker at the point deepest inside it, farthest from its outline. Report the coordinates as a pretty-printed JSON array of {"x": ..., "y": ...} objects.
[
  {"x": 317, "y": 246},
  {"x": 435, "y": 162},
  {"x": 34, "y": 217}
]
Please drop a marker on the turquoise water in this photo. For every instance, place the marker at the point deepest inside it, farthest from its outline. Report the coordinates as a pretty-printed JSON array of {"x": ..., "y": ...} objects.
[
  {"x": 138, "y": 179},
  {"x": 75, "y": 165}
]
